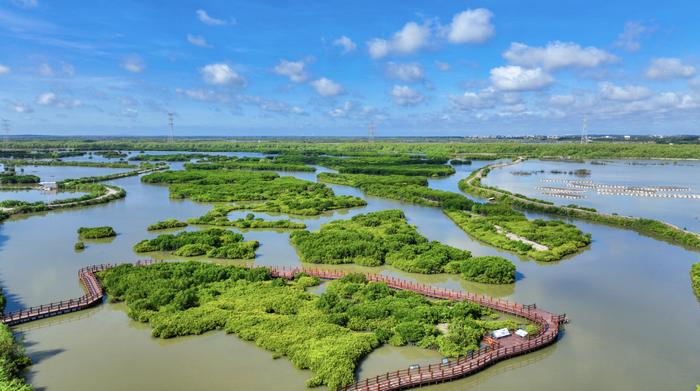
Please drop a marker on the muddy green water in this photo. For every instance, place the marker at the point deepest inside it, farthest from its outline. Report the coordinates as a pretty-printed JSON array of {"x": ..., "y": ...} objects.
[{"x": 635, "y": 321}]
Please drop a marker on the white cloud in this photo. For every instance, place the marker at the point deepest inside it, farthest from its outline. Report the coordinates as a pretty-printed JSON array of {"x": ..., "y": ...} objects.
[
  {"x": 4, "y": 69},
  {"x": 198, "y": 40},
  {"x": 695, "y": 83},
  {"x": 346, "y": 43},
  {"x": 629, "y": 38},
  {"x": 26, "y": 3},
  {"x": 562, "y": 100},
  {"x": 50, "y": 99},
  {"x": 668, "y": 68},
  {"x": 624, "y": 93},
  {"x": 206, "y": 19},
  {"x": 443, "y": 66},
  {"x": 406, "y": 96},
  {"x": 326, "y": 87},
  {"x": 354, "y": 110},
  {"x": 21, "y": 108},
  {"x": 294, "y": 70},
  {"x": 133, "y": 64},
  {"x": 471, "y": 26},
  {"x": 412, "y": 72},
  {"x": 557, "y": 55},
  {"x": 473, "y": 100},
  {"x": 46, "y": 99},
  {"x": 45, "y": 70},
  {"x": 411, "y": 38},
  {"x": 222, "y": 75},
  {"x": 203, "y": 95},
  {"x": 515, "y": 78}
]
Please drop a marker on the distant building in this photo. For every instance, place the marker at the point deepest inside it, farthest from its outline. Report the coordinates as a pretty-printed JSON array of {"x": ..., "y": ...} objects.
[{"x": 48, "y": 186}]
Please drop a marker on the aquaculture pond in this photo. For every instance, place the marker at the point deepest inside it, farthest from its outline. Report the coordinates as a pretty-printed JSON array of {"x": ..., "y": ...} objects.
[
  {"x": 634, "y": 318},
  {"x": 658, "y": 189}
]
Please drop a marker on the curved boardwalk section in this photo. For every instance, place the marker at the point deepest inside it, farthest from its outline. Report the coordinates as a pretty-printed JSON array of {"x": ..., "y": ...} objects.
[{"x": 495, "y": 351}]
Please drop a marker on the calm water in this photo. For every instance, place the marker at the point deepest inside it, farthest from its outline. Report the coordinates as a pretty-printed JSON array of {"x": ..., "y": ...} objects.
[
  {"x": 684, "y": 213},
  {"x": 634, "y": 318}
]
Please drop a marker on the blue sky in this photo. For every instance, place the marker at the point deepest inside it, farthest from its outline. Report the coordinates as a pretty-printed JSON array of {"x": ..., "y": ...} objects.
[{"x": 420, "y": 68}]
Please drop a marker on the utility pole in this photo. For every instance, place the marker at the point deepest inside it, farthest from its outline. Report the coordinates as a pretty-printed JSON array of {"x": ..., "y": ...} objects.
[
  {"x": 171, "y": 136},
  {"x": 584, "y": 130}
]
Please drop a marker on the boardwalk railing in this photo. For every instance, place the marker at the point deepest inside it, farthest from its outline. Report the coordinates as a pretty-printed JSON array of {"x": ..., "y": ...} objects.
[{"x": 548, "y": 325}]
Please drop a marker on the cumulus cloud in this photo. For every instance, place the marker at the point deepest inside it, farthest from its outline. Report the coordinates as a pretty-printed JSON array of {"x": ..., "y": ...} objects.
[
  {"x": 406, "y": 96},
  {"x": 133, "y": 64},
  {"x": 204, "y": 17},
  {"x": 515, "y": 78},
  {"x": 294, "y": 70},
  {"x": 483, "y": 99},
  {"x": 629, "y": 38},
  {"x": 222, "y": 75},
  {"x": 198, "y": 40},
  {"x": 21, "y": 108},
  {"x": 326, "y": 87},
  {"x": 4, "y": 69},
  {"x": 354, "y": 110},
  {"x": 668, "y": 68},
  {"x": 471, "y": 26},
  {"x": 411, "y": 38},
  {"x": 50, "y": 99},
  {"x": 557, "y": 55},
  {"x": 412, "y": 72},
  {"x": 346, "y": 43},
  {"x": 624, "y": 93}
]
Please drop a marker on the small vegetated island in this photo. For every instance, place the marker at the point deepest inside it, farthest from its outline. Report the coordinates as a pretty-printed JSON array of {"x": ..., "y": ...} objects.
[
  {"x": 167, "y": 224},
  {"x": 385, "y": 237},
  {"x": 249, "y": 163},
  {"x": 501, "y": 226},
  {"x": 219, "y": 217},
  {"x": 328, "y": 334},
  {"x": 253, "y": 190},
  {"x": 214, "y": 243},
  {"x": 695, "y": 278},
  {"x": 96, "y": 232}
]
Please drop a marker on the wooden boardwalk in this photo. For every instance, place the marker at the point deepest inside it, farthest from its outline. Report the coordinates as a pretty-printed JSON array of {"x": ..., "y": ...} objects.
[{"x": 502, "y": 349}]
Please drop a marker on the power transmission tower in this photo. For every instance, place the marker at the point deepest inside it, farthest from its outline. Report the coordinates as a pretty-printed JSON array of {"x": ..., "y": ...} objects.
[
  {"x": 584, "y": 130},
  {"x": 171, "y": 136},
  {"x": 370, "y": 132},
  {"x": 6, "y": 133}
]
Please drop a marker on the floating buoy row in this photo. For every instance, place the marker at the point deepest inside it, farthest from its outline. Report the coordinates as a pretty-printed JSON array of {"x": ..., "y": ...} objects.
[
  {"x": 649, "y": 194},
  {"x": 558, "y": 189},
  {"x": 571, "y": 196}
]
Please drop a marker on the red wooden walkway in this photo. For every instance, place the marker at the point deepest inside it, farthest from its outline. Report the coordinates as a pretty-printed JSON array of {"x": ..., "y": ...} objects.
[{"x": 408, "y": 378}]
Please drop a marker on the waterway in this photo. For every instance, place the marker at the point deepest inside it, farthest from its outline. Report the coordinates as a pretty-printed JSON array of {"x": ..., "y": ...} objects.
[{"x": 634, "y": 319}]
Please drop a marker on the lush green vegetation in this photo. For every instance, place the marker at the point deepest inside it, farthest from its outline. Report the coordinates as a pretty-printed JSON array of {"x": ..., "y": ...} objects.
[
  {"x": 18, "y": 179},
  {"x": 695, "y": 278},
  {"x": 21, "y": 162},
  {"x": 33, "y": 154},
  {"x": 268, "y": 191},
  {"x": 111, "y": 154},
  {"x": 96, "y": 232},
  {"x": 378, "y": 238},
  {"x": 219, "y": 217},
  {"x": 173, "y": 157},
  {"x": 403, "y": 188},
  {"x": 653, "y": 228},
  {"x": 469, "y": 149},
  {"x": 327, "y": 334},
  {"x": 214, "y": 243},
  {"x": 492, "y": 222},
  {"x": 79, "y": 246},
  {"x": 13, "y": 360},
  {"x": 167, "y": 224},
  {"x": 377, "y": 165},
  {"x": 248, "y": 163}
]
